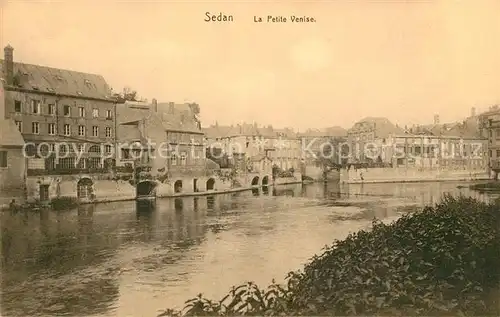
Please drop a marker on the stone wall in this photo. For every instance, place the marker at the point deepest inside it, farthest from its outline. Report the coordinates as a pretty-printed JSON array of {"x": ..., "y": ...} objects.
[
  {"x": 12, "y": 177},
  {"x": 64, "y": 186},
  {"x": 381, "y": 175}
]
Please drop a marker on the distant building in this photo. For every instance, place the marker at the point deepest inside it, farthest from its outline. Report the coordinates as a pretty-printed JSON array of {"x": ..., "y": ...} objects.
[
  {"x": 245, "y": 144},
  {"x": 12, "y": 164},
  {"x": 52, "y": 106}
]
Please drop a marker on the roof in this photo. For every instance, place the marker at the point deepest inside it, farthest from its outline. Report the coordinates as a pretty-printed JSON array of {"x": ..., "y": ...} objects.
[
  {"x": 334, "y": 131},
  {"x": 247, "y": 129},
  {"x": 181, "y": 121},
  {"x": 61, "y": 81},
  {"x": 383, "y": 127},
  {"x": 9, "y": 134},
  {"x": 469, "y": 128}
]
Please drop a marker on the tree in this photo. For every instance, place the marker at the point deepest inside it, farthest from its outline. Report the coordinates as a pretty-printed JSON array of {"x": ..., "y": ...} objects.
[{"x": 126, "y": 95}]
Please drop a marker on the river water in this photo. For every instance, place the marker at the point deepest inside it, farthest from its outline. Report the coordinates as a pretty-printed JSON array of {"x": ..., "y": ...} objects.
[{"x": 123, "y": 259}]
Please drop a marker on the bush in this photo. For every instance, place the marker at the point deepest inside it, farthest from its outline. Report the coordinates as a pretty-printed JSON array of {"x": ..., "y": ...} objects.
[
  {"x": 442, "y": 260},
  {"x": 63, "y": 203}
]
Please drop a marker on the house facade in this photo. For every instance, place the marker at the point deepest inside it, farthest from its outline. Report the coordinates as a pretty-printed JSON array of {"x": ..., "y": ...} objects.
[
  {"x": 246, "y": 145},
  {"x": 489, "y": 122},
  {"x": 12, "y": 164},
  {"x": 66, "y": 118},
  {"x": 172, "y": 146}
]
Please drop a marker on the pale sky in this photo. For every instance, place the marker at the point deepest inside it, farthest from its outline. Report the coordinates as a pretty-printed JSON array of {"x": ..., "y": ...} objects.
[{"x": 405, "y": 61}]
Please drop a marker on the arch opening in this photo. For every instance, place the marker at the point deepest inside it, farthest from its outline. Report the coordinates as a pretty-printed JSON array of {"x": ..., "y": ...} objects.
[
  {"x": 145, "y": 188},
  {"x": 84, "y": 188},
  {"x": 265, "y": 180},
  {"x": 178, "y": 186},
  {"x": 210, "y": 184},
  {"x": 255, "y": 181}
]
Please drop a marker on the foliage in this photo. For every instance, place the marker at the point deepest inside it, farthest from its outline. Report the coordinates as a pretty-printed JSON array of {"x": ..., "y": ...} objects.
[
  {"x": 126, "y": 95},
  {"x": 278, "y": 172},
  {"x": 63, "y": 203},
  {"x": 442, "y": 260}
]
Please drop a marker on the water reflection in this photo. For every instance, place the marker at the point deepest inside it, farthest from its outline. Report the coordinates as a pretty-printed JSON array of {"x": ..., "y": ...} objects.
[{"x": 90, "y": 261}]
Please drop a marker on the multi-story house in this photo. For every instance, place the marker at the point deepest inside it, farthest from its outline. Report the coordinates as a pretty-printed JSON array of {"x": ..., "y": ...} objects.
[
  {"x": 490, "y": 124},
  {"x": 171, "y": 142},
  {"x": 370, "y": 130},
  {"x": 67, "y": 118}
]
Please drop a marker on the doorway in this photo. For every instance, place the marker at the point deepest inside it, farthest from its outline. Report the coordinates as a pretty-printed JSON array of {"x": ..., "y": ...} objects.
[{"x": 44, "y": 192}]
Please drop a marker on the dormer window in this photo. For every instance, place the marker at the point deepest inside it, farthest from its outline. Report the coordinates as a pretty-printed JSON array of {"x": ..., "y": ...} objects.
[
  {"x": 58, "y": 77},
  {"x": 35, "y": 88},
  {"x": 79, "y": 93}
]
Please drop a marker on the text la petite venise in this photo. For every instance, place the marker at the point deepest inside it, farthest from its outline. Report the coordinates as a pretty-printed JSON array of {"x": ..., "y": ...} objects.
[{"x": 281, "y": 19}]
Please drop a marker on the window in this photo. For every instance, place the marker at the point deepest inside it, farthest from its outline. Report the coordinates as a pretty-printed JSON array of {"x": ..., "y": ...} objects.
[
  {"x": 35, "y": 127},
  {"x": 108, "y": 148},
  {"x": 95, "y": 131},
  {"x": 19, "y": 125},
  {"x": 81, "y": 111},
  {"x": 108, "y": 114},
  {"x": 52, "y": 128},
  {"x": 108, "y": 132},
  {"x": 173, "y": 159},
  {"x": 52, "y": 147},
  {"x": 67, "y": 129},
  {"x": 183, "y": 158},
  {"x": 498, "y": 153},
  {"x": 95, "y": 113},
  {"x": 17, "y": 106},
  {"x": 67, "y": 111},
  {"x": 35, "y": 106},
  {"x": 3, "y": 158},
  {"x": 81, "y": 130},
  {"x": 63, "y": 148},
  {"x": 81, "y": 147},
  {"x": 52, "y": 109}
]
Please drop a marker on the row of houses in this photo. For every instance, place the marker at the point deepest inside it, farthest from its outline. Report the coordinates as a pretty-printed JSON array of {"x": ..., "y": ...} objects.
[{"x": 60, "y": 124}]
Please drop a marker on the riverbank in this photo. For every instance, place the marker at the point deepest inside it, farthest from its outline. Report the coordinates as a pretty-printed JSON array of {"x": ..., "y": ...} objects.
[
  {"x": 409, "y": 175},
  {"x": 483, "y": 187},
  {"x": 71, "y": 202},
  {"x": 442, "y": 260}
]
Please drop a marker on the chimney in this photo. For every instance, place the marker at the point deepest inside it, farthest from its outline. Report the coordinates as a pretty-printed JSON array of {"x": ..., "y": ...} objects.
[
  {"x": 155, "y": 105},
  {"x": 171, "y": 106},
  {"x": 9, "y": 64},
  {"x": 436, "y": 119},
  {"x": 473, "y": 112}
]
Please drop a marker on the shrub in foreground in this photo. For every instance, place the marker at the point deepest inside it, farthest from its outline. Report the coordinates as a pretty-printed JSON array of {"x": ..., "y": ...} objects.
[{"x": 442, "y": 260}]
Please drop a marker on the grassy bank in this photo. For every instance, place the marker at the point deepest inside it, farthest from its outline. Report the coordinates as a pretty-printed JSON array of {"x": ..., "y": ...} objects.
[{"x": 442, "y": 260}]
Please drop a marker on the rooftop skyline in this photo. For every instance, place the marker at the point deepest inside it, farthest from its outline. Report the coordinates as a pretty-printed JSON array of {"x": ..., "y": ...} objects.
[{"x": 404, "y": 61}]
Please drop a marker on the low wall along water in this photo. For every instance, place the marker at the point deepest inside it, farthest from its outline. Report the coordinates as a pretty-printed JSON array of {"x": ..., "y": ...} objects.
[{"x": 385, "y": 175}]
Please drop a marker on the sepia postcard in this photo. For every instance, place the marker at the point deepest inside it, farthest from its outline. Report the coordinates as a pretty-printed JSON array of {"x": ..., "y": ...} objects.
[{"x": 260, "y": 158}]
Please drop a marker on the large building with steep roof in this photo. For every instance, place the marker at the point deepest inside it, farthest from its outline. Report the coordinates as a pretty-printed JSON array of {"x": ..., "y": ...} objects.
[{"x": 59, "y": 111}]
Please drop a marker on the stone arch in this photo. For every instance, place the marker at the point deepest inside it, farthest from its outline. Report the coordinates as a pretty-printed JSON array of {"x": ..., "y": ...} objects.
[
  {"x": 211, "y": 184},
  {"x": 178, "y": 186},
  {"x": 255, "y": 181},
  {"x": 265, "y": 180},
  {"x": 145, "y": 188},
  {"x": 84, "y": 188}
]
